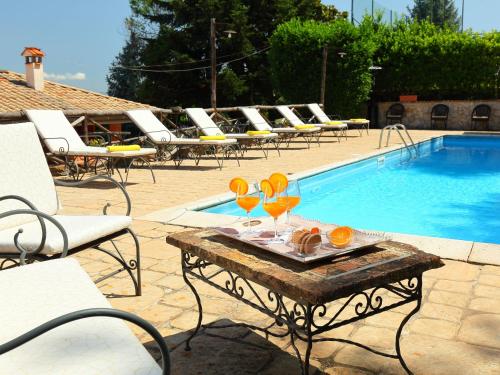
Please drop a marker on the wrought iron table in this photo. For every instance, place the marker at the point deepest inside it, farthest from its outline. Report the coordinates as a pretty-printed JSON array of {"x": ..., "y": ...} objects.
[{"x": 305, "y": 300}]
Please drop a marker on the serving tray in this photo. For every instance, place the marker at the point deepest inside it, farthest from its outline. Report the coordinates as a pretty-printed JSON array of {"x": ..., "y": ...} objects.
[{"x": 263, "y": 231}]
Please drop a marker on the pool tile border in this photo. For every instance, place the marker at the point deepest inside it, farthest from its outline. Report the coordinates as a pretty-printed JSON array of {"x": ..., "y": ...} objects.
[{"x": 188, "y": 215}]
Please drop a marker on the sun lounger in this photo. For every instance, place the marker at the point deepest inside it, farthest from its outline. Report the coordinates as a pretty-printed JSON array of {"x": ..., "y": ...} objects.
[
  {"x": 206, "y": 125},
  {"x": 55, "y": 321},
  {"x": 62, "y": 140},
  {"x": 184, "y": 148},
  {"x": 323, "y": 118},
  {"x": 29, "y": 203},
  {"x": 295, "y": 121},
  {"x": 286, "y": 133}
]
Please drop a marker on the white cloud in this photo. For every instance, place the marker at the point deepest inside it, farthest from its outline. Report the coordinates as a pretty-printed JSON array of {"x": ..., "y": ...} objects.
[{"x": 65, "y": 76}]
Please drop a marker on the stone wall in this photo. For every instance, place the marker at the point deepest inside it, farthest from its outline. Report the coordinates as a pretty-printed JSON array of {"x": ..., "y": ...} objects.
[{"x": 418, "y": 115}]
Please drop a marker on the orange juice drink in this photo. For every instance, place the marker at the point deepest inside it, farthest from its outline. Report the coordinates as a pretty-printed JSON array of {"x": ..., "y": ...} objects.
[
  {"x": 275, "y": 209},
  {"x": 248, "y": 203},
  {"x": 290, "y": 202}
]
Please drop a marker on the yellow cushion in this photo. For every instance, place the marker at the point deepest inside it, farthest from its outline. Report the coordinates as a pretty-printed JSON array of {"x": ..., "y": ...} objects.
[
  {"x": 306, "y": 126},
  {"x": 258, "y": 132},
  {"x": 358, "y": 119},
  {"x": 212, "y": 137},
  {"x": 119, "y": 148},
  {"x": 334, "y": 123}
]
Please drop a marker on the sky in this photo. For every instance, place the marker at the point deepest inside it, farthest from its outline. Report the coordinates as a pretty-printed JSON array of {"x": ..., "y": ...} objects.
[{"x": 82, "y": 37}]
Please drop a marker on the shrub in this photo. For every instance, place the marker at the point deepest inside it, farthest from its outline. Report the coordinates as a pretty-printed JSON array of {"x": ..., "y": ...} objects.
[
  {"x": 417, "y": 58},
  {"x": 296, "y": 57}
]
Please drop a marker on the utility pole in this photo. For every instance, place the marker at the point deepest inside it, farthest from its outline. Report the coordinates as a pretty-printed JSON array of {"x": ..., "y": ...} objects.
[
  {"x": 213, "y": 63},
  {"x": 463, "y": 3},
  {"x": 444, "y": 11},
  {"x": 352, "y": 12},
  {"x": 372, "y": 9},
  {"x": 323, "y": 75}
]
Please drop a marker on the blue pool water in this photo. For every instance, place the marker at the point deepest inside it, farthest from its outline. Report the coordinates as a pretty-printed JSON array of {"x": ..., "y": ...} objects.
[{"x": 452, "y": 190}]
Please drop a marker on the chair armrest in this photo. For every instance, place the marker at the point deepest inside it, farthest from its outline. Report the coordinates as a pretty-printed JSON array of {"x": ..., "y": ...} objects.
[
  {"x": 18, "y": 198},
  {"x": 99, "y": 177},
  {"x": 41, "y": 216},
  {"x": 166, "y": 138},
  {"x": 61, "y": 149},
  {"x": 90, "y": 313}
]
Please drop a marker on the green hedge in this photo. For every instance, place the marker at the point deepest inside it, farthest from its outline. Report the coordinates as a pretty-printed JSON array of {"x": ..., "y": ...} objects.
[
  {"x": 436, "y": 63},
  {"x": 296, "y": 57},
  {"x": 417, "y": 58}
]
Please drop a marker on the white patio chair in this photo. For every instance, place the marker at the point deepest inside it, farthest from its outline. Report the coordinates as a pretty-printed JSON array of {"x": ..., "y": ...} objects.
[
  {"x": 31, "y": 229},
  {"x": 62, "y": 140},
  {"x": 294, "y": 120},
  {"x": 286, "y": 133},
  {"x": 323, "y": 118},
  {"x": 161, "y": 137},
  {"x": 208, "y": 127},
  {"x": 55, "y": 321}
]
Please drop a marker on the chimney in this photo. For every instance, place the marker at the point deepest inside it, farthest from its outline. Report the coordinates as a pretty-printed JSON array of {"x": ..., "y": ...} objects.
[{"x": 34, "y": 67}]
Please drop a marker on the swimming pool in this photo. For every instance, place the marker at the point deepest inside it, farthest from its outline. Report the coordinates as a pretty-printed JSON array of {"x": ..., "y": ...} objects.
[{"x": 452, "y": 190}]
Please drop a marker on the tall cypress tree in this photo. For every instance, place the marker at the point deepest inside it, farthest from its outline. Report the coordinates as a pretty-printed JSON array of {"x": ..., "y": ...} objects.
[{"x": 440, "y": 12}]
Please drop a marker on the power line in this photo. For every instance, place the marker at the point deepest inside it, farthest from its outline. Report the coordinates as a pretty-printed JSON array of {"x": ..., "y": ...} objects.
[
  {"x": 142, "y": 69},
  {"x": 179, "y": 63}
]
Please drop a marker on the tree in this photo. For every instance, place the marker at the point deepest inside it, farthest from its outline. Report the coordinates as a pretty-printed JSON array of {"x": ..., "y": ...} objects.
[
  {"x": 176, "y": 48},
  {"x": 440, "y": 12},
  {"x": 124, "y": 83}
]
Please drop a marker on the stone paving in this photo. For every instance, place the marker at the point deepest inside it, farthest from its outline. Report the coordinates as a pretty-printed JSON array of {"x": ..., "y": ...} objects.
[{"x": 456, "y": 332}]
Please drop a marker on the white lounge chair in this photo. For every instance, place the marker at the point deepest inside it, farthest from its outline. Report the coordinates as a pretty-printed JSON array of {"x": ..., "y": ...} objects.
[
  {"x": 294, "y": 120},
  {"x": 161, "y": 137},
  {"x": 286, "y": 133},
  {"x": 56, "y": 321},
  {"x": 61, "y": 139},
  {"x": 31, "y": 229},
  {"x": 323, "y": 118},
  {"x": 206, "y": 125}
]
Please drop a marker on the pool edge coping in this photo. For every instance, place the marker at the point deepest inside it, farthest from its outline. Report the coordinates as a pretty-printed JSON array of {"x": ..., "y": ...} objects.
[{"x": 189, "y": 215}]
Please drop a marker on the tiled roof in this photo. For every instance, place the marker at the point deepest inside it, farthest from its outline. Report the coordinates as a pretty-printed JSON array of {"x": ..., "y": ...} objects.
[
  {"x": 32, "y": 51},
  {"x": 15, "y": 95}
]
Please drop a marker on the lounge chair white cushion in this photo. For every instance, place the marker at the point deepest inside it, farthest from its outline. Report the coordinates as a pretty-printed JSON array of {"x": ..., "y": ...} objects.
[
  {"x": 37, "y": 293},
  {"x": 80, "y": 230},
  {"x": 203, "y": 121},
  {"x": 61, "y": 138},
  {"x": 318, "y": 113},
  {"x": 291, "y": 117},
  {"x": 104, "y": 153},
  {"x": 159, "y": 134},
  {"x": 151, "y": 126},
  {"x": 197, "y": 141},
  {"x": 288, "y": 114},
  {"x": 24, "y": 173},
  {"x": 256, "y": 119},
  {"x": 296, "y": 131},
  {"x": 248, "y": 136},
  {"x": 259, "y": 123}
]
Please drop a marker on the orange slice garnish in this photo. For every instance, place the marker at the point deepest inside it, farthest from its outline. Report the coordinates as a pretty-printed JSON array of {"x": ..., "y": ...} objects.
[
  {"x": 267, "y": 188},
  {"x": 238, "y": 186},
  {"x": 341, "y": 236},
  {"x": 279, "y": 182}
]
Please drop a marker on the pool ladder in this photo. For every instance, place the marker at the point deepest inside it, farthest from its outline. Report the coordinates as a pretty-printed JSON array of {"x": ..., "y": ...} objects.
[{"x": 409, "y": 144}]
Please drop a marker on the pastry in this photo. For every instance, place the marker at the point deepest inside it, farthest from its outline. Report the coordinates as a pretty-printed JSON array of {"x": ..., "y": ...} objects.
[{"x": 310, "y": 243}]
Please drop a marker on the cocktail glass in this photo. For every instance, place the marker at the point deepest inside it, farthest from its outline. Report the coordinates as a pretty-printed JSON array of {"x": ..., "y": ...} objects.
[
  {"x": 248, "y": 202},
  {"x": 291, "y": 198},
  {"x": 274, "y": 206}
]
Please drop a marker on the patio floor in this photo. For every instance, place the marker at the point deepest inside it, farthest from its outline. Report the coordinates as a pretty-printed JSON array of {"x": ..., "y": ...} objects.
[{"x": 456, "y": 332}]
